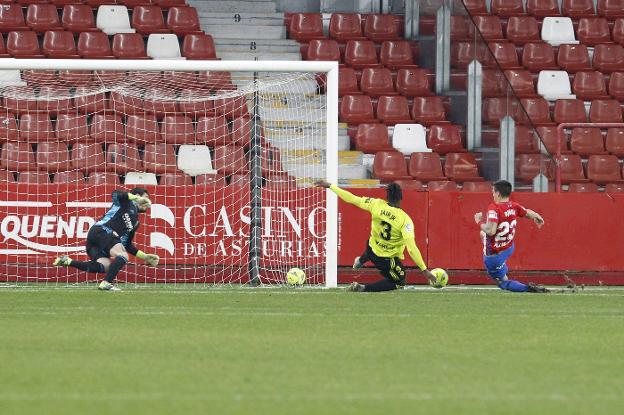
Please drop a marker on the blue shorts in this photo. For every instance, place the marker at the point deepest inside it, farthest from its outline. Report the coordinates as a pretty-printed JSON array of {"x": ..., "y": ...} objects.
[{"x": 495, "y": 264}]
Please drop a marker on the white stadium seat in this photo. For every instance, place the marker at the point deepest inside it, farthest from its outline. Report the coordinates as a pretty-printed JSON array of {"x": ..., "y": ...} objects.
[
  {"x": 410, "y": 138},
  {"x": 554, "y": 85},
  {"x": 113, "y": 19},
  {"x": 11, "y": 77},
  {"x": 140, "y": 178},
  {"x": 163, "y": 46},
  {"x": 558, "y": 31},
  {"x": 195, "y": 159}
]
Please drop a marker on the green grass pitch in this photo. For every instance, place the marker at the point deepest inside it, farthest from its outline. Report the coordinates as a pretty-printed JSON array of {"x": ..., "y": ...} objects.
[{"x": 279, "y": 351}]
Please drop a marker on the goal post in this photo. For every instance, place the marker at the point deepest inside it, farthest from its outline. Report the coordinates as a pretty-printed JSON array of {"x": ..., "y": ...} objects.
[{"x": 267, "y": 129}]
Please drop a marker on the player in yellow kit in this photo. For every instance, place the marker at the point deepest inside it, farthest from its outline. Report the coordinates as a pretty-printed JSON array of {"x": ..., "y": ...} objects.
[{"x": 392, "y": 230}]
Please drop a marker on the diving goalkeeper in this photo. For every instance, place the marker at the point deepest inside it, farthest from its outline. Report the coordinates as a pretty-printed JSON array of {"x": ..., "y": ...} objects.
[
  {"x": 392, "y": 230},
  {"x": 110, "y": 239}
]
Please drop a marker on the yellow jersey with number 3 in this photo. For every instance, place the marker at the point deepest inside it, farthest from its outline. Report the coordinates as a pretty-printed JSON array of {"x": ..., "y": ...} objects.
[{"x": 390, "y": 228}]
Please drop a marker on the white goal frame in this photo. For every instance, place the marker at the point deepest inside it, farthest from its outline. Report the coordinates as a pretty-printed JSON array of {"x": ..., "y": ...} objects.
[{"x": 330, "y": 68}]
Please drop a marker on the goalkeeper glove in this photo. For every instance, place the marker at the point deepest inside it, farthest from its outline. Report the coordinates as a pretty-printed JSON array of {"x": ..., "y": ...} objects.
[{"x": 150, "y": 259}]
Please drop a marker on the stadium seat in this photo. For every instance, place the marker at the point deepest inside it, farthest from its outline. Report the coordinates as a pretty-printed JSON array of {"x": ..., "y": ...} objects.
[
  {"x": 177, "y": 129},
  {"x": 476, "y": 7},
  {"x": 583, "y": 187},
  {"x": 614, "y": 188},
  {"x": 17, "y": 156},
  {"x": 522, "y": 29},
  {"x": 614, "y": 142},
  {"x": 72, "y": 127},
  {"x": 618, "y": 31},
  {"x": 569, "y": 110},
  {"x": 241, "y": 131},
  {"x": 525, "y": 141},
  {"x": 396, "y": 54},
  {"x": 165, "y": 4},
  {"x": 54, "y": 99},
  {"x": 52, "y": 157},
  {"x": 36, "y": 127},
  {"x": 603, "y": 169},
  {"x": 75, "y": 78},
  {"x": 426, "y": 166},
  {"x": 593, "y": 30},
  {"x": 74, "y": 177},
  {"x": 507, "y": 8},
  {"x": 389, "y": 166},
  {"x": 505, "y": 54},
  {"x": 587, "y": 141},
  {"x": 616, "y": 85},
  {"x": 605, "y": 110},
  {"x": 428, "y": 110},
  {"x": 380, "y": 27},
  {"x": 195, "y": 159},
  {"x": 107, "y": 128},
  {"x": 548, "y": 136},
  {"x": 12, "y": 18},
  {"x": 371, "y": 138},
  {"x": 33, "y": 177},
  {"x": 410, "y": 138},
  {"x": 78, "y": 18},
  {"x": 577, "y": 8},
  {"x": 230, "y": 159},
  {"x": 143, "y": 128},
  {"x": 8, "y": 127},
  {"x": 558, "y": 31},
  {"x": 608, "y": 58},
  {"x": 462, "y": 53},
  {"x": 140, "y": 178},
  {"x": 323, "y": 50},
  {"x": 445, "y": 138},
  {"x": 159, "y": 158},
  {"x": 589, "y": 85},
  {"x": 347, "y": 82},
  {"x": 461, "y": 28},
  {"x": 360, "y": 53},
  {"x": 410, "y": 185},
  {"x": 554, "y": 85},
  {"x": 43, "y": 17},
  {"x": 129, "y": 46},
  {"x": 3, "y": 53},
  {"x": 113, "y": 19},
  {"x": 88, "y": 157},
  {"x": 127, "y": 104},
  {"x": 393, "y": 109},
  {"x": 376, "y": 82},
  {"x": 194, "y": 102},
  {"x": 148, "y": 19},
  {"x": 123, "y": 157},
  {"x": 163, "y": 46},
  {"x": 183, "y": 20},
  {"x": 355, "y": 109},
  {"x": 198, "y": 46},
  {"x": 414, "y": 82},
  {"x": 610, "y": 8},
  {"x": 20, "y": 99},
  {"x": 59, "y": 45},
  {"x": 175, "y": 179},
  {"x": 442, "y": 186},
  {"x": 345, "y": 26},
  {"x": 94, "y": 45},
  {"x": 543, "y": 8},
  {"x": 24, "y": 45},
  {"x": 527, "y": 166},
  {"x": 232, "y": 107},
  {"x": 306, "y": 26},
  {"x": 571, "y": 169},
  {"x": 537, "y": 56},
  {"x": 490, "y": 27},
  {"x": 212, "y": 130},
  {"x": 482, "y": 187},
  {"x": 216, "y": 180},
  {"x": 537, "y": 109},
  {"x": 87, "y": 102},
  {"x": 520, "y": 80},
  {"x": 461, "y": 167},
  {"x": 574, "y": 58}
]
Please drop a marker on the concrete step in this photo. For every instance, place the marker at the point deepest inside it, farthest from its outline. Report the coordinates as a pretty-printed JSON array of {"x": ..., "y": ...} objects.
[
  {"x": 241, "y": 19},
  {"x": 259, "y": 42},
  {"x": 252, "y": 46},
  {"x": 249, "y": 56},
  {"x": 236, "y": 6},
  {"x": 248, "y": 32}
]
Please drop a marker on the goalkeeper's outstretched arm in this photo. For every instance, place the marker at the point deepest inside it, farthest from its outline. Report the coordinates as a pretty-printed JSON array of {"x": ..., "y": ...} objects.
[
  {"x": 344, "y": 194},
  {"x": 149, "y": 259}
]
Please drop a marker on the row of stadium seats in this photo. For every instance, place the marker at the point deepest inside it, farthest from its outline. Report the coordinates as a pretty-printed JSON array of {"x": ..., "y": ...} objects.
[
  {"x": 96, "y": 45},
  {"x": 393, "y": 109},
  {"x": 304, "y": 27},
  {"x": 541, "y": 8},
  {"x": 601, "y": 168},
  {"x": 165, "y": 4},
  {"x": 110, "y": 19},
  {"x": 393, "y": 54},
  {"x": 486, "y": 187},
  {"x": 376, "y": 81},
  {"x": 410, "y": 138},
  {"x": 392, "y": 165}
]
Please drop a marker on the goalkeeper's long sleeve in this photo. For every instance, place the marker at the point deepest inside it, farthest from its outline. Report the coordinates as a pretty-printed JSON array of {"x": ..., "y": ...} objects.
[
  {"x": 415, "y": 254},
  {"x": 361, "y": 202}
]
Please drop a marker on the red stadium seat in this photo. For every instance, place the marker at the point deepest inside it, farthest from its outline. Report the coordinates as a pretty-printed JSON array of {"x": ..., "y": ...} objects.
[
  {"x": 578, "y": 8},
  {"x": 393, "y": 109},
  {"x": 347, "y": 82},
  {"x": 538, "y": 56},
  {"x": 593, "y": 30},
  {"x": 356, "y": 109},
  {"x": 461, "y": 28},
  {"x": 482, "y": 187},
  {"x": 414, "y": 82},
  {"x": 490, "y": 27},
  {"x": 177, "y": 129},
  {"x": 548, "y": 135},
  {"x": 396, "y": 54},
  {"x": 525, "y": 141},
  {"x": 198, "y": 46},
  {"x": 493, "y": 83},
  {"x": 603, "y": 169},
  {"x": 17, "y": 156},
  {"x": 570, "y": 110},
  {"x": 608, "y": 58},
  {"x": 59, "y": 45},
  {"x": 233, "y": 107},
  {"x": 94, "y": 45},
  {"x": 614, "y": 188},
  {"x": 213, "y": 130},
  {"x": 371, "y": 138},
  {"x": 215, "y": 180},
  {"x": 380, "y": 27},
  {"x": 360, "y": 53},
  {"x": 521, "y": 81},
  {"x": 123, "y": 158},
  {"x": 159, "y": 158},
  {"x": 445, "y": 138},
  {"x": 442, "y": 186},
  {"x": 36, "y": 127},
  {"x": 75, "y": 177},
  {"x": 323, "y": 50},
  {"x": 107, "y": 128},
  {"x": 52, "y": 157},
  {"x": 129, "y": 46},
  {"x": 574, "y": 58},
  {"x": 306, "y": 26},
  {"x": 461, "y": 167},
  {"x": 24, "y": 45},
  {"x": 143, "y": 128},
  {"x": 193, "y": 102},
  {"x": 165, "y": 4},
  {"x": 3, "y": 51},
  {"x": 616, "y": 85},
  {"x": 75, "y": 78},
  {"x": 583, "y": 188},
  {"x": 345, "y": 26},
  {"x": 33, "y": 177},
  {"x": 476, "y": 7},
  {"x": 148, "y": 19},
  {"x": 72, "y": 127},
  {"x": 160, "y": 102},
  {"x": 523, "y": 29},
  {"x": 78, "y": 18},
  {"x": 183, "y": 20},
  {"x": 507, "y": 8},
  {"x": 103, "y": 178},
  {"x": 389, "y": 166},
  {"x": 426, "y": 167},
  {"x": 615, "y": 141},
  {"x": 54, "y": 99},
  {"x": 8, "y": 127},
  {"x": 605, "y": 110},
  {"x": 587, "y": 141},
  {"x": 505, "y": 54},
  {"x": 571, "y": 169},
  {"x": 175, "y": 179},
  {"x": 410, "y": 185},
  {"x": 537, "y": 110},
  {"x": 230, "y": 159},
  {"x": 20, "y": 99},
  {"x": 43, "y": 17},
  {"x": 589, "y": 85},
  {"x": 241, "y": 131},
  {"x": 543, "y": 8},
  {"x": 610, "y": 8},
  {"x": 618, "y": 31},
  {"x": 88, "y": 157},
  {"x": 527, "y": 166},
  {"x": 462, "y": 53},
  {"x": 12, "y": 18},
  {"x": 428, "y": 110},
  {"x": 376, "y": 82},
  {"x": 127, "y": 104}
]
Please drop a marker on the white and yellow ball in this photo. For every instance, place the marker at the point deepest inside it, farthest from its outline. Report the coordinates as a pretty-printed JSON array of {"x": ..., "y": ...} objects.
[
  {"x": 441, "y": 278},
  {"x": 295, "y": 277}
]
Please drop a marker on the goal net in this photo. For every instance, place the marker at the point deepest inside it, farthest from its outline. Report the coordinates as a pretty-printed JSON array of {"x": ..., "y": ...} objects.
[{"x": 228, "y": 151}]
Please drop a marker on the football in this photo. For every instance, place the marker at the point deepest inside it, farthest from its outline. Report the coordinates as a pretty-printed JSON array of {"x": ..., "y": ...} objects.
[
  {"x": 295, "y": 277},
  {"x": 441, "y": 278}
]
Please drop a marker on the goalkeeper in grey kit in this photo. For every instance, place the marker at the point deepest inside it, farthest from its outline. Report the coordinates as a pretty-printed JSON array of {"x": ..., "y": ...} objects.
[{"x": 110, "y": 239}]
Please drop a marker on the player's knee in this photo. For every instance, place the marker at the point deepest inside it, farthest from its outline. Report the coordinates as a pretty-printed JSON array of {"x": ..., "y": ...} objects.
[{"x": 123, "y": 255}]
